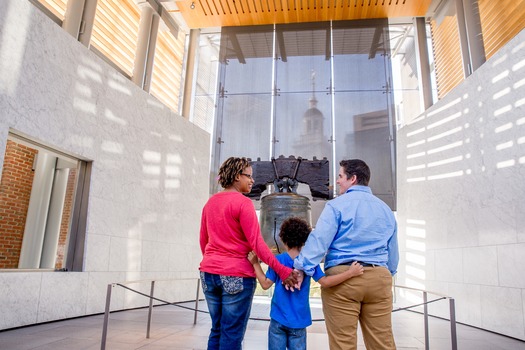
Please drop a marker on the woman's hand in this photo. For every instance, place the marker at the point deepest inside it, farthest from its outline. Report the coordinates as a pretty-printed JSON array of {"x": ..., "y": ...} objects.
[{"x": 294, "y": 281}]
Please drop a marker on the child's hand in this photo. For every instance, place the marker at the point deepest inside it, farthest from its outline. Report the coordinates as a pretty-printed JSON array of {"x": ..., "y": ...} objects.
[
  {"x": 254, "y": 259},
  {"x": 356, "y": 269}
]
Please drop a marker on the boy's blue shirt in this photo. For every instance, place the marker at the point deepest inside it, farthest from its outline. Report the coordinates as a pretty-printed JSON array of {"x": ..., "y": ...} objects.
[{"x": 291, "y": 309}]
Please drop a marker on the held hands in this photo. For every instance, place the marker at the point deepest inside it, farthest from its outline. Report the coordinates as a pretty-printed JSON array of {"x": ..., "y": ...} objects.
[{"x": 294, "y": 281}]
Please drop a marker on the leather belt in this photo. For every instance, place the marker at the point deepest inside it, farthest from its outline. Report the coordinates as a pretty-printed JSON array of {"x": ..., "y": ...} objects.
[{"x": 361, "y": 263}]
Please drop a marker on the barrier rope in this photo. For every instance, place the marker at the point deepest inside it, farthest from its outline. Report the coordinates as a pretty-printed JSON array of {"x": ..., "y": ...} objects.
[{"x": 177, "y": 304}]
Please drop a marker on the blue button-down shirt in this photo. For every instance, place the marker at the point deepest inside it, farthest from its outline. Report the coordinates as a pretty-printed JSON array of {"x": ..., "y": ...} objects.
[{"x": 356, "y": 226}]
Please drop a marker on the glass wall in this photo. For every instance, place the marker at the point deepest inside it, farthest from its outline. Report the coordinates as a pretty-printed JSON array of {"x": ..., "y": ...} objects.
[
  {"x": 303, "y": 103},
  {"x": 362, "y": 102},
  {"x": 308, "y": 90}
]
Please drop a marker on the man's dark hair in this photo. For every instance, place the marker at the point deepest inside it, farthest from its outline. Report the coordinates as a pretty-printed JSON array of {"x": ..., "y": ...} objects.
[
  {"x": 358, "y": 168},
  {"x": 294, "y": 232}
]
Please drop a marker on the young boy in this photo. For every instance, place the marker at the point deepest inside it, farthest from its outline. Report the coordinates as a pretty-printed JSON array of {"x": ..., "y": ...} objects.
[{"x": 290, "y": 311}]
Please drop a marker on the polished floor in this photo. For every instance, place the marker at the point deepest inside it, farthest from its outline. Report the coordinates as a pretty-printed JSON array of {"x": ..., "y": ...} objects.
[{"x": 172, "y": 328}]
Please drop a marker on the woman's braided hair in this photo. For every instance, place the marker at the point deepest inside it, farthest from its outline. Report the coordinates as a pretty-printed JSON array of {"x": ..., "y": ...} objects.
[{"x": 230, "y": 168}]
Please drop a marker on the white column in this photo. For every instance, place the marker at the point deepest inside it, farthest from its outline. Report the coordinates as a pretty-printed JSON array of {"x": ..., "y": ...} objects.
[
  {"x": 141, "y": 55},
  {"x": 423, "y": 68},
  {"x": 73, "y": 17},
  {"x": 463, "y": 41},
  {"x": 54, "y": 219},
  {"x": 37, "y": 212},
  {"x": 151, "y": 52},
  {"x": 474, "y": 36},
  {"x": 189, "y": 79},
  {"x": 88, "y": 19}
]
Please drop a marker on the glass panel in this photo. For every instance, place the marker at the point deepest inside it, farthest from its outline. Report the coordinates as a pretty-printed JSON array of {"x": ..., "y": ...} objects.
[
  {"x": 244, "y": 99},
  {"x": 404, "y": 67},
  {"x": 247, "y": 60},
  {"x": 362, "y": 102},
  {"x": 363, "y": 131},
  {"x": 360, "y": 48},
  {"x": 302, "y": 127},
  {"x": 302, "y": 105},
  {"x": 244, "y": 130}
]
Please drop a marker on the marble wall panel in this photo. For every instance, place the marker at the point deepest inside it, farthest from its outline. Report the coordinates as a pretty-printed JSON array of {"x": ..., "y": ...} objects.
[
  {"x": 20, "y": 298},
  {"x": 497, "y": 224},
  {"x": 98, "y": 249},
  {"x": 155, "y": 256},
  {"x": 468, "y": 303},
  {"x": 511, "y": 265},
  {"x": 180, "y": 255},
  {"x": 460, "y": 171},
  {"x": 62, "y": 295},
  {"x": 449, "y": 265},
  {"x": 501, "y": 310},
  {"x": 3, "y": 139},
  {"x": 520, "y": 220},
  {"x": 125, "y": 254},
  {"x": 97, "y": 292},
  {"x": 480, "y": 265},
  {"x": 149, "y": 164}
]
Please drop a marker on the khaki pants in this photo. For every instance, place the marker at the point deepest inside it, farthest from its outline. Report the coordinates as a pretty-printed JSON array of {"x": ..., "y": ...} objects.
[{"x": 367, "y": 298}]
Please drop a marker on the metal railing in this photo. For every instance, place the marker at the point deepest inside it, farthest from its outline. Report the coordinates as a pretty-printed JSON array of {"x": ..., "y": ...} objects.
[
  {"x": 150, "y": 308},
  {"x": 452, "y": 313},
  {"x": 425, "y": 293}
]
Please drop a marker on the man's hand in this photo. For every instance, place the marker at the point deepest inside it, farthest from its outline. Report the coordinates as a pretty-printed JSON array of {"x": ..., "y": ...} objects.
[
  {"x": 294, "y": 281},
  {"x": 299, "y": 275},
  {"x": 291, "y": 282}
]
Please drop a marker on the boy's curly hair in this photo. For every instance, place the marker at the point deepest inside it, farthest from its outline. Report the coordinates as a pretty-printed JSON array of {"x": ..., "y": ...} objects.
[{"x": 294, "y": 232}]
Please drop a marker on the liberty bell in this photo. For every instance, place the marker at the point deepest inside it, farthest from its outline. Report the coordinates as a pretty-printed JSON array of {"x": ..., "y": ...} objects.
[{"x": 284, "y": 202}]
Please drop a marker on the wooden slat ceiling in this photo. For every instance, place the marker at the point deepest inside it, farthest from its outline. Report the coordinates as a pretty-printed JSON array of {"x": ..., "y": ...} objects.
[{"x": 225, "y": 13}]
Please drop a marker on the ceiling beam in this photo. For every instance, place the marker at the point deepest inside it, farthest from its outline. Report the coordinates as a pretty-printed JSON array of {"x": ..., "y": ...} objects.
[
  {"x": 282, "y": 46},
  {"x": 375, "y": 43},
  {"x": 237, "y": 47}
]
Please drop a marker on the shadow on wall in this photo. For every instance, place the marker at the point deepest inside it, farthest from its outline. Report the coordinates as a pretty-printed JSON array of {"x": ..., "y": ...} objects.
[{"x": 463, "y": 197}]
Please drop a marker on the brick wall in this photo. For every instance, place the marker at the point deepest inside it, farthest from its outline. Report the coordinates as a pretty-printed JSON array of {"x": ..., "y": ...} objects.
[{"x": 15, "y": 191}]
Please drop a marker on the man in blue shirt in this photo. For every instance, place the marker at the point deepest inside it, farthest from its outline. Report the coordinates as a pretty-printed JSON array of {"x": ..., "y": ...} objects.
[{"x": 355, "y": 226}]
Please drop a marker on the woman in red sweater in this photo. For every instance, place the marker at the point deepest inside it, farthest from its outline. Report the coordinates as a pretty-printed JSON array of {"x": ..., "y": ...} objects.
[{"x": 229, "y": 231}]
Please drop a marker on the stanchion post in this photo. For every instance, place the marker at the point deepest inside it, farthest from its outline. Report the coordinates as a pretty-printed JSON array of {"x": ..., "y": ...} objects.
[
  {"x": 196, "y": 302},
  {"x": 425, "y": 308},
  {"x": 150, "y": 311},
  {"x": 106, "y": 318},
  {"x": 453, "y": 334}
]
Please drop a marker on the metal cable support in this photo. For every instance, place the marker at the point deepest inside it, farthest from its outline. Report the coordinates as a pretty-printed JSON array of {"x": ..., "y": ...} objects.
[
  {"x": 197, "y": 299},
  {"x": 164, "y": 301},
  {"x": 177, "y": 304}
]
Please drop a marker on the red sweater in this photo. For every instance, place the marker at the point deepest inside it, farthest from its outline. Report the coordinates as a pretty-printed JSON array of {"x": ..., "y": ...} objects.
[{"x": 229, "y": 231}]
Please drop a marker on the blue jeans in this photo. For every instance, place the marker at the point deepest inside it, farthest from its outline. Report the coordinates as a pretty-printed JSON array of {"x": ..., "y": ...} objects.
[
  {"x": 281, "y": 337},
  {"x": 229, "y": 302}
]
